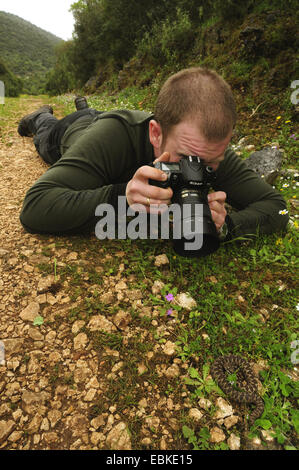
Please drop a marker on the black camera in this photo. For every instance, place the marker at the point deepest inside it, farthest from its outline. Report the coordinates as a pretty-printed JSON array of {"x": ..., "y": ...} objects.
[{"x": 190, "y": 181}]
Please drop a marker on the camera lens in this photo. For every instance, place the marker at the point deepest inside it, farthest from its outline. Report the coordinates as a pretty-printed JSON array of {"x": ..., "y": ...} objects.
[{"x": 199, "y": 235}]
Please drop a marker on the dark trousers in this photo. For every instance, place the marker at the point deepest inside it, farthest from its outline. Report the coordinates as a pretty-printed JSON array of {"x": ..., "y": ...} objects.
[
  {"x": 50, "y": 130},
  {"x": 44, "y": 124}
]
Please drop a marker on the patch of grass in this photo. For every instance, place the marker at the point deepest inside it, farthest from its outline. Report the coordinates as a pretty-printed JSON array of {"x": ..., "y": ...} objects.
[
  {"x": 111, "y": 340},
  {"x": 280, "y": 413},
  {"x": 246, "y": 303}
]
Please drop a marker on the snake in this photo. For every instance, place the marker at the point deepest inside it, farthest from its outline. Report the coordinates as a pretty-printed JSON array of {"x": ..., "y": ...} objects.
[{"x": 247, "y": 385}]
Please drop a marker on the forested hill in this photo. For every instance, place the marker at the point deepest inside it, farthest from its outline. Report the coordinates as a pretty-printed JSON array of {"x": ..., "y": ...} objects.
[
  {"x": 119, "y": 44},
  {"x": 27, "y": 50}
]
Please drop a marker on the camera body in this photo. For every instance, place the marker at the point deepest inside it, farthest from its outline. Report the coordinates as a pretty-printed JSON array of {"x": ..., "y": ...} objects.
[
  {"x": 189, "y": 172},
  {"x": 190, "y": 181}
]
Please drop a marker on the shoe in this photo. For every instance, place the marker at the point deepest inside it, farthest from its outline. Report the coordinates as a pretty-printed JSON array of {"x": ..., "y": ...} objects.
[
  {"x": 26, "y": 126},
  {"x": 81, "y": 103}
]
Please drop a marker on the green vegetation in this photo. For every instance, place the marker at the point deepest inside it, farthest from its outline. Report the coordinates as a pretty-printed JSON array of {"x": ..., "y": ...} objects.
[
  {"x": 246, "y": 304},
  {"x": 246, "y": 294},
  {"x": 27, "y": 50},
  {"x": 13, "y": 85},
  {"x": 119, "y": 44}
]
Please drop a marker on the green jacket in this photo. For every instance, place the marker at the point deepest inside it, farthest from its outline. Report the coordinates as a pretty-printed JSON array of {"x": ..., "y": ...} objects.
[{"x": 100, "y": 155}]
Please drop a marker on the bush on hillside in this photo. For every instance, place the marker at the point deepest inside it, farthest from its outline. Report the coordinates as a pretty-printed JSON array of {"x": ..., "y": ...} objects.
[{"x": 13, "y": 85}]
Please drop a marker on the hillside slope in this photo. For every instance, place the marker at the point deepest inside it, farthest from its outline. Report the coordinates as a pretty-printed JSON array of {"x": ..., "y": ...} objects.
[
  {"x": 13, "y": 84},
  {"x": 27, "y": 50}
]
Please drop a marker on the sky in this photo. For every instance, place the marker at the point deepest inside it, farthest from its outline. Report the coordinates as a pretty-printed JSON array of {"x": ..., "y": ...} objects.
[{"x": 50, "y": 15}]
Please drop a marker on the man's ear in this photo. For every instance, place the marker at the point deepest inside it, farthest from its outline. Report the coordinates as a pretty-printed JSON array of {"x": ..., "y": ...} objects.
[{"x": 155, "y": 134}]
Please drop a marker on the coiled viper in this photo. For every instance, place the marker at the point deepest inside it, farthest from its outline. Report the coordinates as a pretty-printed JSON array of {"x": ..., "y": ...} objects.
[{"x": 246, "y": 382}]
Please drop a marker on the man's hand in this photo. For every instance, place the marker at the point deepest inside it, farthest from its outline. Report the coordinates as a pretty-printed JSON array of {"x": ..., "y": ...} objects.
[
  {"x": 216, "y": 202},
  {"x": 139, "y": 191}
]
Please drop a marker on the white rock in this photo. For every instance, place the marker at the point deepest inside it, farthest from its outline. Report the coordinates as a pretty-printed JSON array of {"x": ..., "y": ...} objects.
[
  {"x": 169, "y": 348},
  {"x": 195, "y": 414},
  {"x": 204, "y": 403},
  {"x": 32, "y": 402},
  {"x": 54, "y": 416},
  {"x": 50, "y": 438},
  {"x": 45, "y": 425},
  {"x": 80, "y": 341},
  {"x": 185, "y": 300},
  {"x": 242, "y": 141},
  {"x": 142, "y": 403},
  {"x": 107, "y": 298},
  {"x": 163, "y": 444},
  {"x": 30, "y": 312},
  {"x": 6, "y": 428},
  {"x": 249, "y": 147},
  {"x": 157, "y": 287},
  {"x": 146, "y": 441},
  {"x": 95, "y": 438},
  {"x": 78, "y": 425},
  {"x": 34, "y": 424},
  {"x": 224, "y": 409},
  {"x": 13, "y": 346},
  {"x": 267, "y": 435},
  {"x": 161, "y": 260},
  {"x": 90, "y": 394},
  {"x": 121, "y": 285},
  {"x": 233, "y": 442},
  {"x": 122, "y": 319},
  {"x": 153, "y": 422},
  {"x": 119, "y": 438},
  {"x": 172, "y": 371},
  {"x": 98, "y": 422},
  {"x": 230, "y": 421},
  {"x": 256, "y": 441},
  {"x": 15, "y": 436},
  {"x": 142, "y": 368},
  {"x": 35, "y": 334},
  {"x": 77, "y": 325},
  {"x": 217, "y": 435},
  {"x": 100, "y": 323}
]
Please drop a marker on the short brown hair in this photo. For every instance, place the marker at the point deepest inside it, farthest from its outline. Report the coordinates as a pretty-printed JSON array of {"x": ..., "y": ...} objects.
[{"x": 200, "y": 94}]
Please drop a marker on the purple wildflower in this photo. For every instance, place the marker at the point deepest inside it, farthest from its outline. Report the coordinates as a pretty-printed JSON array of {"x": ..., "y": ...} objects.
[
  {"x": 169, "y": 312},
  {"x": 169, "y": 297},
  {"x": 293, "y": 136}
]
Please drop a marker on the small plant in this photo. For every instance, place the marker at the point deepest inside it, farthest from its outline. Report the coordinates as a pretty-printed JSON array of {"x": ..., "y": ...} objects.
[
  {"x": 203, "y": 385},
  {"x": 279, "y": 414},
  {"x": 38, "y": 321},
  {"x": 199, "y": 442}
]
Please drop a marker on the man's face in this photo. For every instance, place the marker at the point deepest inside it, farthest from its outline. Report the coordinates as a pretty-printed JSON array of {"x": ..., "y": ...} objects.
[{"x": 184, "y": 139}]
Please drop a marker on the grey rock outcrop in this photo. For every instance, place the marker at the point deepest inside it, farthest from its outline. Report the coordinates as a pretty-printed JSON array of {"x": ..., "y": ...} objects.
[{"x": 266, "y": 163}]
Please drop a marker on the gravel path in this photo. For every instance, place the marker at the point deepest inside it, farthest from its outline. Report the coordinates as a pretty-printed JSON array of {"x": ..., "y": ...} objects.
[
  {"x": 87, "y": 364},
  {"x": 55, "y": 387}
]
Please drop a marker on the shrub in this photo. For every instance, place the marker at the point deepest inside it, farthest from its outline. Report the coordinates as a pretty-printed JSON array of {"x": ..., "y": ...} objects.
[
  {"x": 169, "y": 39},
  {"x": 13, "y": 85}
]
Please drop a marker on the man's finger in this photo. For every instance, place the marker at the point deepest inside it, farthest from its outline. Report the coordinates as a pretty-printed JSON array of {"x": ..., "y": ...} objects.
[
  {"x": 147, "y": 172},
  {"x": 219, "y": 196},
  {"x": 165, "y": 157}
]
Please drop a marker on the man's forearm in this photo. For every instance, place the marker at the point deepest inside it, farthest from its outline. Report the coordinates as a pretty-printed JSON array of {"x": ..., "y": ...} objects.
[
  {"x": 258, "y": 207},
  {"x": 254, "y": 220},
  {"x": 63, "y": 211}
]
